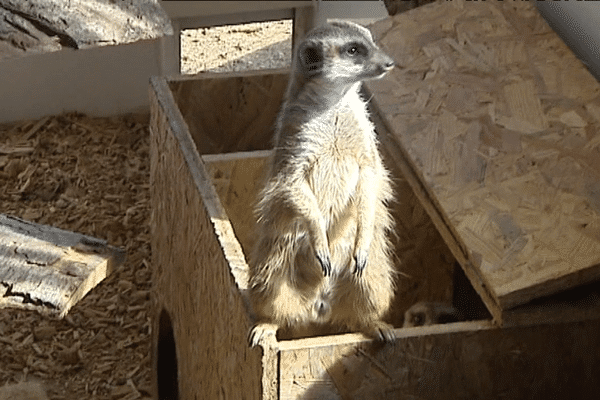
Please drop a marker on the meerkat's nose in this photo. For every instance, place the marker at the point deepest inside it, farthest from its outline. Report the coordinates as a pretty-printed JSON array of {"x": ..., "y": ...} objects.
[
  {"x": 388, "y": 65},
  {"x": 383, "y": 60},
  {"x": 387, "y": 61}
]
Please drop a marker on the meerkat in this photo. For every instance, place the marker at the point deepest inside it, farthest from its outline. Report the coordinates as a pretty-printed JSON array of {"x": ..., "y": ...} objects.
[
  {"x": 322, "y": 256},
  {"x": 426, "y": 313}
]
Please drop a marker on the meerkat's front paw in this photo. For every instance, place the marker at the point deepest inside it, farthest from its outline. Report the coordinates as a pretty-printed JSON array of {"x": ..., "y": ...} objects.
[
  {"x": 262, "y": 332},
  {"x": 321, "y": 248},
  {"x": 360, "y": 262},
  {"x": 325, "y": 262},
  {"x": 381, "y": 331}
]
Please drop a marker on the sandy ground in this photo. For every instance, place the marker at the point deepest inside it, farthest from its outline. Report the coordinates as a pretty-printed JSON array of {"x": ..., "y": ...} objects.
[{"x": 261, "y": 45}]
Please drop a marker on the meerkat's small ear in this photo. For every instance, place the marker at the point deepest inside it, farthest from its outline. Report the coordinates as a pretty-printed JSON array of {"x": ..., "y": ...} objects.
[{"x": 311, "y": 58}]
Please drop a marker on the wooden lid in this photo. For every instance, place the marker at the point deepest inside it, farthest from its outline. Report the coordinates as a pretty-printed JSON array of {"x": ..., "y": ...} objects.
[{"x": 497, "y": 124}]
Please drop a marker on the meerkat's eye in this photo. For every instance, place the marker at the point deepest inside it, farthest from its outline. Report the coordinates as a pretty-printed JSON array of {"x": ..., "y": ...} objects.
[
  {"x": 418, "y": 319},
  {"x": 356, "y": 49}
]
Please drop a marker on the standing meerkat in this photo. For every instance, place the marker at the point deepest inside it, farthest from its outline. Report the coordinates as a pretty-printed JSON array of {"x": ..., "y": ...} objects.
[{"x": 322, "y": 256}]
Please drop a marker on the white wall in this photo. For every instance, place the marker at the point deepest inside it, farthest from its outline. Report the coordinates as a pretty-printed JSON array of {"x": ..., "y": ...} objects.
[
  {"x": 363, "y": 12},
  {"x": 113, "y": 80},
  {"x": 100, "y": 81},
  {"x": 208, "y": 9}
]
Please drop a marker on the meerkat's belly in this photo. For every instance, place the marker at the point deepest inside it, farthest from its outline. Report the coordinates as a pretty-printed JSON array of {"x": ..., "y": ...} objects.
[
  {"x": 334, "y": 179},
  {"x": 335, "y": 171}
]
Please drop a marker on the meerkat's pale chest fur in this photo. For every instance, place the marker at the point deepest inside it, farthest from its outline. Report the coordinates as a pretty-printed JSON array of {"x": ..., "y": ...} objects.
[{"x": 322, "y": 256}]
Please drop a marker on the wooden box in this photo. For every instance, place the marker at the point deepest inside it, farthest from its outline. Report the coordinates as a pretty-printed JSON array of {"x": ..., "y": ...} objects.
[
  {"x": 203, "y": 189},
  {"x": 209, "y": 139}
]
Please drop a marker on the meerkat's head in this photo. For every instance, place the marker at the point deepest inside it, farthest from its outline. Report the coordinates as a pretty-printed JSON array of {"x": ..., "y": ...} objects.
[{"x": 341, "y": 52}]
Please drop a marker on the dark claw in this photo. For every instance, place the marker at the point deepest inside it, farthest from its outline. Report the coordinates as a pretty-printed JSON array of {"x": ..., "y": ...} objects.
[
  {"x": 360, "y": 263},
  {"x": 325, "y": 264},
  {"x": 381, "y": 332},
  {"x": 387, "y": 336},
  {"x": 260, "y": 332}
]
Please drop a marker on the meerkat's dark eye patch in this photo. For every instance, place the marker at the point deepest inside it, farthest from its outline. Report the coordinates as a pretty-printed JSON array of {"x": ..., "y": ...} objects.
[{"x": 356, "y": 49}]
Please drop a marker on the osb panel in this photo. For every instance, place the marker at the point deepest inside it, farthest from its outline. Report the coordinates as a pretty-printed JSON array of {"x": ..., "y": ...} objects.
[
  {"x": 500, "y": 121},
  {"x": 191, "y": 260},
  {"x": 237, "y": 178},
  {"x": 469, "y": 360},
  {"x": 227, "y": 113}
]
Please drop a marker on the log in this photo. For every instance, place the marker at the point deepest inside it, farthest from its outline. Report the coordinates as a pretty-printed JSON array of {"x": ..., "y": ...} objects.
[
  {"x": 48, "y": 269},
  {"x": 39, "y": 26}
]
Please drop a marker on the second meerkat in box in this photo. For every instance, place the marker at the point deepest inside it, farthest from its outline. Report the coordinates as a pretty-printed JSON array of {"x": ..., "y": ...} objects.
[{"x": 322, "y": 260}]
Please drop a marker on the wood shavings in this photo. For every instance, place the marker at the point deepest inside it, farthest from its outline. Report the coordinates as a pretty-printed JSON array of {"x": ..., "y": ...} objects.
[
  {"x": 86, "y": 175},
  {"x": 23, "y": 391}
]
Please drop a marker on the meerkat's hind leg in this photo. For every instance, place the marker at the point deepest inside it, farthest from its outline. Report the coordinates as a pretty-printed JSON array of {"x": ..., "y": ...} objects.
[{"x": 262, "y": 332}]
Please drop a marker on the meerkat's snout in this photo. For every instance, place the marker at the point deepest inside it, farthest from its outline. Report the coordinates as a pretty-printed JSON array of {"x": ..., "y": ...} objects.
[
  {"x": 381, "y": 64},
  {"x": 387, "y": 62}
]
